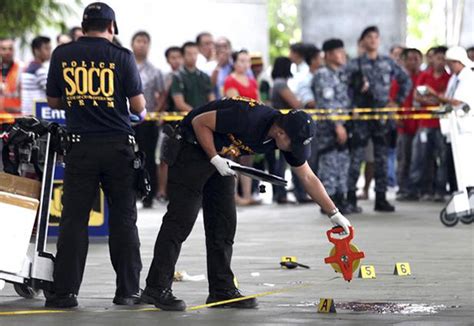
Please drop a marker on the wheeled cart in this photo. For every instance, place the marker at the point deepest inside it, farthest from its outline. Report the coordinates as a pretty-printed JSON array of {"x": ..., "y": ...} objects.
[
  {"x": 28, "y": 270},
  {"x": 458, "y": 126}
]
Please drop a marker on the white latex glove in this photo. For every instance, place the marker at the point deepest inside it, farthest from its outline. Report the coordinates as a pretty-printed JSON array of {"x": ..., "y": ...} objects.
[
  {"x": 339, "y": 220},
  {"x": 223, "y": 165}
]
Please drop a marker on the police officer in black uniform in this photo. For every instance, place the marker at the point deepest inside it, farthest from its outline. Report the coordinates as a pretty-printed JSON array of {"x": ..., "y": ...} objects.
[
  {"x": 91, "y": 79},
  {"x": 200, "y": 175}
]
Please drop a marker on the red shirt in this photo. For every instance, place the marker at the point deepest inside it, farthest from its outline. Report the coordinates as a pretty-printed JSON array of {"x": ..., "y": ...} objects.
[
  {"x": 439, "y": 84},
  {"x": 250, "y": 91},
  {"x": 409, "y": 126}
]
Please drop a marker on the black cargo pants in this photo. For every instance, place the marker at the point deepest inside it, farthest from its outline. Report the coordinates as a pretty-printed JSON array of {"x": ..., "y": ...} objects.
[
  {"x": 193, "y": 181},
  {"x": 108, "y": 162}
]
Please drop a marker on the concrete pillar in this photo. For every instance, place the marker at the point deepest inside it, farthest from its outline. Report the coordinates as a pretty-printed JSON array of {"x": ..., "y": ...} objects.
[{"x": 345, "y": 19}]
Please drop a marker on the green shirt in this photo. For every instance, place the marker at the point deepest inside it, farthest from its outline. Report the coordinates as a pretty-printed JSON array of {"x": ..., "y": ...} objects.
[{"x": 195, "y": 86}]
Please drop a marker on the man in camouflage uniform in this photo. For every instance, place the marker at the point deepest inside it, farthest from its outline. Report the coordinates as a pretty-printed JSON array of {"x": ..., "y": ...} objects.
[
  {"x": 370, "y": 78},
  {"x": 331, "y": 92}
]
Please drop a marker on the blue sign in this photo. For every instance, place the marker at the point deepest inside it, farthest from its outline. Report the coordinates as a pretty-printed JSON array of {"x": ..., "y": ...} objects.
[{"x": 44, "y": 112}]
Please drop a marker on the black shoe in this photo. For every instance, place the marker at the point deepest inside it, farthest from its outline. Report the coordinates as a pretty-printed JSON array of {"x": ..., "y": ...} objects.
[
  {"x": 341, "y": 203},
  {"x": 345, "y": 208},
  {"x": 148, "y": 203},
  {"x": 381, "y": 203},
  {"x": 230, "y": 294},
  {"x": 408, "y": 197},
  {"x": 284, "y": 201},
  {"x": 61, "y": 301},
  {"x": 351, "y": 209},
  {"x": 352, "y": 203},
  {"x": 305, "y": 201},
  {"x": 163, "y": 299},
  {"x": 127, "y": 301}
]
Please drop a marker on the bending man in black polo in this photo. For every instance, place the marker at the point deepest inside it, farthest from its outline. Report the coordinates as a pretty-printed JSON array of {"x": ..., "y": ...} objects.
[{"x": 201, "y": 176}]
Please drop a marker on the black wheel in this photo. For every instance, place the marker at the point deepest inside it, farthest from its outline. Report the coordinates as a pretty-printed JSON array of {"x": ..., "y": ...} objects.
[
  {"x": 467, "y": 219},
  {"x": 25, "y": 291},
  {"x": 448, "y": 221}
]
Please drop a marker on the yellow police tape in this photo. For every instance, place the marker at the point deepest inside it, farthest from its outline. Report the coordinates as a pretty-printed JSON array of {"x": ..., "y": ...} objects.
[
  {"x": 393, "y": 113},
  {"x": 30, "y": 312},
  {"x": 193, "y": 308},
  {"x": 413, "y": 113}
]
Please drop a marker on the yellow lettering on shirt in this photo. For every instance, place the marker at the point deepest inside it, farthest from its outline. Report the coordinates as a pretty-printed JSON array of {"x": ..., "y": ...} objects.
[
  {"x": 250, "y": 101},
  {"x": 89, "y": 80},
  {"x": 68, "y": 74}
]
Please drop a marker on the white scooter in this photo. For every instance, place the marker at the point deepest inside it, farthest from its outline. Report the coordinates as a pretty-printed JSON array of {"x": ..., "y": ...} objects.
[{"x": 458, "y": 127}]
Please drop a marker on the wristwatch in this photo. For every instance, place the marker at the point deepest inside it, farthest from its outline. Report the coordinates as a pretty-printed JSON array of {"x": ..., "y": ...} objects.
[{"x": 333, "y": 212}]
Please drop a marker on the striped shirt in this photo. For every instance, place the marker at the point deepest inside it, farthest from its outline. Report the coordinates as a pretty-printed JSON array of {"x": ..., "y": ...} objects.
[{"x": 33, "y": 86}]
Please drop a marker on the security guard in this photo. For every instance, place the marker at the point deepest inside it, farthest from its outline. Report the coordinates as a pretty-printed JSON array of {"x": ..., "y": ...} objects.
[
  {"x": 200, "y": 175},
  {"x": 370, "y": 78},
  {"x": 92, "y": 79},
  {"x": 331, "y": 92}
]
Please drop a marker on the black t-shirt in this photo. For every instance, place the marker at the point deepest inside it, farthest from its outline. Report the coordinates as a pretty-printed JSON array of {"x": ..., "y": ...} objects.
[
  {"x": 94, "y": 77},
  {"x": 242, "y": 126}
]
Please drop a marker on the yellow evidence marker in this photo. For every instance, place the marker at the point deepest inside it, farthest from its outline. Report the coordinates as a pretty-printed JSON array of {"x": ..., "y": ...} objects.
[
  {"x": 402, "y": 269},
  {"x": 367, "y": 271},
  {"x": 326, "y": 305}
]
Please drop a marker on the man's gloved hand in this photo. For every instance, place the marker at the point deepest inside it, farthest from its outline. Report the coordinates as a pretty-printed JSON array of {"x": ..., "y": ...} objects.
[
  {"x": 339, "y": 220},
  {"x": 223, "y": 165}
]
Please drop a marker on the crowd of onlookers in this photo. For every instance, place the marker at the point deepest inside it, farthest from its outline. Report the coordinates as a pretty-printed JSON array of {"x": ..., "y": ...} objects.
[{"x": 411, "y": 154}]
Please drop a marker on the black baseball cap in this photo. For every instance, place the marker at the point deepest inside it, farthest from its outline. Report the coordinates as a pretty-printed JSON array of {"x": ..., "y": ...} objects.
[
  {"x": 367, "y": 30},
  {"x": 332, "y": 44},
  {"x": 299, "y": 127},
  {"x": 99, "y": 10}
]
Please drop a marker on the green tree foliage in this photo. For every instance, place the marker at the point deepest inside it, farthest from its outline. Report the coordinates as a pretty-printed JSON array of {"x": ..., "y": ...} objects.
[
  {"x": 425, "y": 23},
  {"x": 284, "y": 26},
  {"x": 19, "y": 17}
]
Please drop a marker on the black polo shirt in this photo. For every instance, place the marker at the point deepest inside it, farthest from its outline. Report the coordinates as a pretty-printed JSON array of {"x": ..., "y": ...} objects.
[
  {"x": 242, "y": 127},
  {"x": 94, "y": 77}
]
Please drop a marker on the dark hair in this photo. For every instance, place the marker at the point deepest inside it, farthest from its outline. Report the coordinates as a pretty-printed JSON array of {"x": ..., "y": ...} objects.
[
  {"x": 310, "y": 52},
  {"x": 367, "y": 30},
  {"x": 235, "y": 56},
  {"x": 141, "y": 34},
  {"x": 440, "y": 49},
  {"x": 281, "y": 68},
  {"x": 38, "y": 42},
  {"x": 95, "y": 25},
  {"x": 187, "y": 45},
  {"x": 431, "y": 49},
  {"x": 407, "y": 51},
  {"x": 73, "y": 30},
  {"x": 172, "y": 49},
  {"x": 471, "y": 48},
  {"x": 332, "y": 44},
  {"x": 298, "y": 48},
  {"x": 396, "y": 46},
  {"x": 200, "y": 36}
]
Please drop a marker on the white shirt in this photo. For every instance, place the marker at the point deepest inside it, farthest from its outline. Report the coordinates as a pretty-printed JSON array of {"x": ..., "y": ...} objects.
[
  {"x": 204, "y": 65},
  {"x": 461, "y": 87},
  {"x": 300, "y": 75}
]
